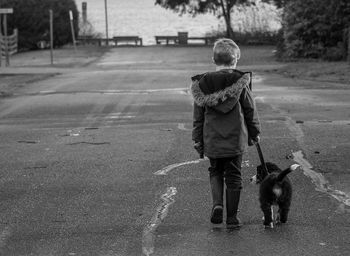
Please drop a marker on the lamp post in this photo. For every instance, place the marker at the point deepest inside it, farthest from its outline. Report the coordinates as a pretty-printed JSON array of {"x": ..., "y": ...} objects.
[{"x": 106, "y": 16}]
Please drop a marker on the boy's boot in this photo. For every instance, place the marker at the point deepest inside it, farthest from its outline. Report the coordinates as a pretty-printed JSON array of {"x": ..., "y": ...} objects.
[
  {"x": 232, "y": 202},
  {"x": 217, "y": 192}
]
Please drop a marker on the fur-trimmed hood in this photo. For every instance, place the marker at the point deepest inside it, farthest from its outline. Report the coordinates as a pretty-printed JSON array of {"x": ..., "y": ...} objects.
[{"x": 219, "y": 91}]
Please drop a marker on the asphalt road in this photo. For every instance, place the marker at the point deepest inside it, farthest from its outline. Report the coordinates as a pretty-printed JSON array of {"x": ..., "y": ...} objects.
[{"x": 99, "y": 161}]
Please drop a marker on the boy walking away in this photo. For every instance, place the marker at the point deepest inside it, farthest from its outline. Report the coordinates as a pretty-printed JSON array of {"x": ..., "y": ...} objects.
[{"x": 225, "y": 120}]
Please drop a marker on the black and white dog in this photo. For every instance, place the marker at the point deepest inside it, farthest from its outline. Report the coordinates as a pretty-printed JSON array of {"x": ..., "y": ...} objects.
[{"x": 275, "y": 189}]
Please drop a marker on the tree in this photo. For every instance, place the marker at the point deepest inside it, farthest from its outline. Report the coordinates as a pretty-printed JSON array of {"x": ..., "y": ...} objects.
[
  {"x": 278, "y": 3},
  {"x": 31, "y": 18},
  {"x": 217, "y": 7},
  {"x": 314, "y": 28}
]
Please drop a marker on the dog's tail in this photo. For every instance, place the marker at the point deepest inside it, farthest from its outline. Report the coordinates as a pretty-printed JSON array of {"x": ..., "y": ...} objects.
[{"x": 284, "y": 173}]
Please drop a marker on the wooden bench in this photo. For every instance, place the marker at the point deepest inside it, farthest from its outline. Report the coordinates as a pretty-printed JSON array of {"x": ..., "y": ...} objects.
[
  {"x": 167, "y": 39},
  {"x": 175, "y": 39},
  {"x": 206, "y": 40},
  {"x": 89, "y": 40},
  {"x": 135, "y": 39}
]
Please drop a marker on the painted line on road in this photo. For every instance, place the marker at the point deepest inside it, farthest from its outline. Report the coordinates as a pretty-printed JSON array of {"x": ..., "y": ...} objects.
[
  {"x": 260, "y": 99},
  {"x": 47, "y": 92},
  {"x": 180, "y": 90},
  {"x": 321, "y": 183},
  {"x": 148, "y": 235},
  {"x": 5, "y": 234},
  {"x": 167, "y": 169},
  {"x": 319, "y": 180},
  {"x": 120, "y": 117},
  {"x": 181, "y": 126}
]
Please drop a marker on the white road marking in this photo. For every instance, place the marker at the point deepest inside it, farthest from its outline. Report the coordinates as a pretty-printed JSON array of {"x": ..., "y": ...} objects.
[
  {"x": 319, "y": 180},
  {"x": 148, "y": 235},
  {"x": 47, "y": 92},
  {"x": 126, "y": 91},
  {"x": 260, "y": 99},
  {"x": 181, "y": 126},
  {"x": 5, "y": 234},
  {"x": 165, "y": 170},
  {"x": 120, "y": 117}
]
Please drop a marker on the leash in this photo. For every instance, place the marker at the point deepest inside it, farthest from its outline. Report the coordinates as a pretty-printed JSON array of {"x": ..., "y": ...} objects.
[
  {"x": 251, "y": 79},
  {"x": 262, "y": 161}
]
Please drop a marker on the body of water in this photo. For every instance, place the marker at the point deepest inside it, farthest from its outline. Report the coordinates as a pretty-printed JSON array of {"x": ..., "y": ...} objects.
[{"x": 143, "y": 18}]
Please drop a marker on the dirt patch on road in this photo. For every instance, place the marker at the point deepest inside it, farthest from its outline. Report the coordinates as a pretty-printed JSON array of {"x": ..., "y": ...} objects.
[
  {"x": 334, "y": 72},
  {"x": 65, "y": 57},
  {"x": 14, "y": 82},
  {"x": 13, "y": 79}
]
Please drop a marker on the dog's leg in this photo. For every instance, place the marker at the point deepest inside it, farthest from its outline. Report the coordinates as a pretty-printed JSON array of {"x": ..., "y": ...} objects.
[
  {"x": 272, "y": 213},
  {"x": 283, "y": 214},
  {"x": 283, "y": 211},
  {"x": 268, "y": 218},
  {"x": 278, "y": 217}
]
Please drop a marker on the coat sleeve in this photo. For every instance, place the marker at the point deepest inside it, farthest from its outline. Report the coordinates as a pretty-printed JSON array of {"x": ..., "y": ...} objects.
[
  {"x": 250, "y": 113},
  {"x": 198, "y": 122}
]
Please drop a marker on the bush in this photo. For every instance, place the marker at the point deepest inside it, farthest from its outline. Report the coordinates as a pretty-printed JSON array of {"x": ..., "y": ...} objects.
[
  {"x": 32, "y": 19},
  {"x": 314, "y": 28},
  {"x": 335, "y": 53},
  {"x": 250, "y": 38},
  {"x": 87, "y": 29}
]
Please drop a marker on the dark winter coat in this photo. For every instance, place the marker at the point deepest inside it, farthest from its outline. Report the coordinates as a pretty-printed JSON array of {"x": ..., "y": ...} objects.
[{"x": 224, "y": 113}]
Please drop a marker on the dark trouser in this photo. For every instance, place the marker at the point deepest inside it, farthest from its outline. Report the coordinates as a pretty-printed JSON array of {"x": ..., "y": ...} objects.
[{"x": 228, "y": 169}]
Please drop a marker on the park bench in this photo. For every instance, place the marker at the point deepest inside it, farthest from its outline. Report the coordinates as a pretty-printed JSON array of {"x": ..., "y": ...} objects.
[
  {"x": 206, "y": 40},
  {"x": 135, "y": 39},
  {"x": 175, "y": 39},
  {"x": 89, "y": 40},
  {"x": 167, "y": 39}
]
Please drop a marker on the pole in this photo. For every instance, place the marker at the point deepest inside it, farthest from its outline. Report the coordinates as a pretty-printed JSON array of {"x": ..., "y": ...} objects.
[
  {"x": 106, "y": 16},
  {"x": 348, "y": 34},
  {"x": 51, "y": 36},
  {"x": 0, "y": 36},
  {"x": 0, "y": 39},
  {"x": 72, "y": 28},
  {"x": 6, "y": 42},
  {"x": 84, "y": 8}
]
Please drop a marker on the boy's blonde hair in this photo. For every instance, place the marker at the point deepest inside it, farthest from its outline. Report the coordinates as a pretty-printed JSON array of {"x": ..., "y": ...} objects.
[{"x": 225, "y": 52}]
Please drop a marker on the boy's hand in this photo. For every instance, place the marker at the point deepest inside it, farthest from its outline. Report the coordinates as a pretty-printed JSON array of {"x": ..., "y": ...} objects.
[
  {"x": 253, "y": 141},
  {"x": 198, "y": 146}
]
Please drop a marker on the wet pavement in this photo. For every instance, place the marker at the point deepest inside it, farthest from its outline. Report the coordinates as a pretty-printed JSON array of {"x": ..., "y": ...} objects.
[{"x": 98, "y": 160}]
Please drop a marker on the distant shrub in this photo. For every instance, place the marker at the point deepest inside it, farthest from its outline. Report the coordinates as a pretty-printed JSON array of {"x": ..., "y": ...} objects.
[
  {"x": 32, "y": 19},
  {"x": 280, "y": 46},
  {"x": 250, "y": 38},
  {"x": 259, "y": 17},
  {"x": 314, "y": 28},
  {"x": 87, "y": 29},
  {"x": 256, "y": 24},
  {"x": 335, "y": 53}
]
